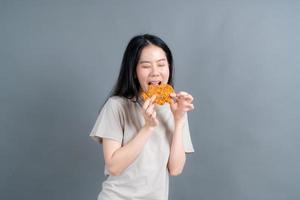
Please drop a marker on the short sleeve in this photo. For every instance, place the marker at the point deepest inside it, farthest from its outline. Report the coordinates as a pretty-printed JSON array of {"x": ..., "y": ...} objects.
[
  {"x": 187, "y": 141},
  {"x": 109, "y": 123}
]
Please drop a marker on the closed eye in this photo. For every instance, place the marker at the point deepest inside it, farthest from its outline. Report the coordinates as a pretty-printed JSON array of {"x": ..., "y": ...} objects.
[{"x": 161, "y": 63}]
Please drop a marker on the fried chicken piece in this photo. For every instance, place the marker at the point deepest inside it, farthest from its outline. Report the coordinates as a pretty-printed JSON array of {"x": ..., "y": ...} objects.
[{"x": 162, "y": 93}]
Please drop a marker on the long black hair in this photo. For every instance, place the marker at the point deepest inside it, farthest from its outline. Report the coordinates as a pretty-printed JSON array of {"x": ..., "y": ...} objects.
[{"x": 127, "y": 84}]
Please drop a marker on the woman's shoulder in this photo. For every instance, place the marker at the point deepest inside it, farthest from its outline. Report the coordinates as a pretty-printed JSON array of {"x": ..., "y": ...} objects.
[
  {"x": 114, "y": 101},
  {"x": 118, "y": 101}
]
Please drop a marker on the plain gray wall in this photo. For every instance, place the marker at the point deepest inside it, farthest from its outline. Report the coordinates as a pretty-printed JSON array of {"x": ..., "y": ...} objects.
[{"x": 239, "y": 59}]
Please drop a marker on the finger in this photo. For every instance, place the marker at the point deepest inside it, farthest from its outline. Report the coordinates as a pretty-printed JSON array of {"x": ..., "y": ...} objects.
[
  {"x": 189, "y": 107},
  {"x": 146, "y": 104},
  {"x": 182, "y": 93},
  {"x": 189, "y": 98},
  {"x": 153, "y": 116},
  {"x": 153, "y": 98},
  {"x": 172, "y": 98},
  {"x": 173, "y": 95},
  {"x": 152, "y": 102},
  {"x": 183, "y": 96},
  {"x": 181, "y": 99},
  {"x": 149, "y": 102},
  {"x": 149, "y": 110}
]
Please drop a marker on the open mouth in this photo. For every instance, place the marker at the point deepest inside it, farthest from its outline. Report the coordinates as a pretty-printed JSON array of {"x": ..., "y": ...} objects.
[{"x": 154, "y": 83}]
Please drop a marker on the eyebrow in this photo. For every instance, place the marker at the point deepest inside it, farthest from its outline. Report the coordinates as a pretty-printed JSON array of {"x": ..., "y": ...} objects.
[{"x": 163, "y": 59}]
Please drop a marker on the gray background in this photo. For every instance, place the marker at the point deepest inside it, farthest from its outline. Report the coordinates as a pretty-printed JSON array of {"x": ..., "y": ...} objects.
[{"x": 239, "y": 59}]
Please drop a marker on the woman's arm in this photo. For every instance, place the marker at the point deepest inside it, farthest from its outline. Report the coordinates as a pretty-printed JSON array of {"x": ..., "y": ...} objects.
[
  {"x": 118, "y": 158},
  {"x": 177, "y": 156}
]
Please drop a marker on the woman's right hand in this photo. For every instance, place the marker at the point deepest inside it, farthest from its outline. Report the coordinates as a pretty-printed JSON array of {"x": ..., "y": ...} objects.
[{"x": 149, "y": 113}]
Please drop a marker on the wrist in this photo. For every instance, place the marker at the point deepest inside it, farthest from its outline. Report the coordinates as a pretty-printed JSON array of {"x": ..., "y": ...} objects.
[
  {"x": 179, "y": 119},
  {"x": 179, "y": 122},
  {"x": 148, "y": 128}
]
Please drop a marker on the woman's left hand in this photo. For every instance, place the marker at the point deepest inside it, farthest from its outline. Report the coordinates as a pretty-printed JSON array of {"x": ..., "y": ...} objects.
[{"x": 182, "y": 103}]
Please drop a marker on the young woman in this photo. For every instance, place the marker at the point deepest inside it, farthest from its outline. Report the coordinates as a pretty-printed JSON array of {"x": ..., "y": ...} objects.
[{"x": 143, "y": 143}]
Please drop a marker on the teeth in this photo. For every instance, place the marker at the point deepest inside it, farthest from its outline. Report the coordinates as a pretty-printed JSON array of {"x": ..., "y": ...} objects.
[{"x": 154, "y": 83}]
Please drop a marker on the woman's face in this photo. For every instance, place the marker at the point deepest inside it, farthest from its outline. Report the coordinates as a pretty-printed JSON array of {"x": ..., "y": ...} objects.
[{"x": 152, "y": 67}]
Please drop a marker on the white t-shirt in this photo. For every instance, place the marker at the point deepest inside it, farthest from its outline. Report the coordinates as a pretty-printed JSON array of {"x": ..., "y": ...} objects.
[{"x": 147, "y": 178}]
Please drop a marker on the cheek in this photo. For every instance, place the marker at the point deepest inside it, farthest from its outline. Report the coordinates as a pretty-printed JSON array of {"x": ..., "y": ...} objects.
[
  {"x": 166, "y": 74},
  {"x": 142, "y": 77}
]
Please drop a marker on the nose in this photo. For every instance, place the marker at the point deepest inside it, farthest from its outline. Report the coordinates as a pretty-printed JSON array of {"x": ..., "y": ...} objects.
[{"x": 154, "y": 71}]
